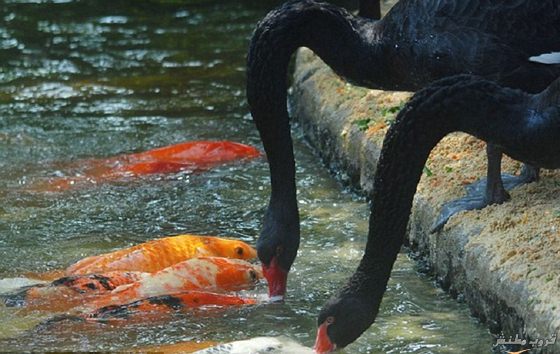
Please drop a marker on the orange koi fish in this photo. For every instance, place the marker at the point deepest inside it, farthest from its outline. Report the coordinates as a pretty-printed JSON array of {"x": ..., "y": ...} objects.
[
  {"x": 215, "y": 274},
  {"x": 155, "y": 255},
  {"x": 156, "y": 306},
  {"x": 189, "y": 156},
  {"x": 71, "y": 291}
]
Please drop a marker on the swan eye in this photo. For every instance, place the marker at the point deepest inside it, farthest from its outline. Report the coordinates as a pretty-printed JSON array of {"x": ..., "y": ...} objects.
[
  {"x": 330, "y": 320},
  {"x": 253, "y": 275},
  {"x": 239, "y": 251}
]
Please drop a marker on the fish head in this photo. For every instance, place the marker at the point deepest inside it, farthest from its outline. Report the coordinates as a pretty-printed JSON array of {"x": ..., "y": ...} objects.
[
  {"x": 223, "y": 247},
  {"x": 235, "y": 274}
]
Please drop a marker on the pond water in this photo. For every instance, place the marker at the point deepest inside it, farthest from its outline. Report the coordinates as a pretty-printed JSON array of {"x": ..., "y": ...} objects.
[{"x": 82, "y": 79}]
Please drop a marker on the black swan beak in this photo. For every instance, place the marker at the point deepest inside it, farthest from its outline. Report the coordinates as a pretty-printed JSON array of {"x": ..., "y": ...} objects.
[
  {"x": 277, "y": 279},
  {"x": 323, "y": 344}
]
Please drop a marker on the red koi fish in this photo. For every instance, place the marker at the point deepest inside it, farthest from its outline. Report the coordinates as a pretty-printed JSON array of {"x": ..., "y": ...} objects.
[
  {"x": 156, "y": 306},
  {"x": 155, "y": 255},
  {"x": 189, "y": 156},
  {"x": 214, "y": 274},
  {"x": 153, "y": 309}
]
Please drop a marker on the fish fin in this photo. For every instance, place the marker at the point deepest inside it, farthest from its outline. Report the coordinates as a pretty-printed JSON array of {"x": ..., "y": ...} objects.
[
  {"x": 18, "y": 298},
  {"x": 46, "y": 324}
]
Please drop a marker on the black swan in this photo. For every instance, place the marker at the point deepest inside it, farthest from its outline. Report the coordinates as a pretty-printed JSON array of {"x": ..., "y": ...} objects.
[
  {"x": 525, "y": 126},
  {"x": 370, "y": 9},
  {"x": 417, "y": 42}
]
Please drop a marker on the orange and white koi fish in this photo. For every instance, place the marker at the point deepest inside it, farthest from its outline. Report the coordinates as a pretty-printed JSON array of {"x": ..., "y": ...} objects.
[
  {"x": 188, "y": 156},
  {"x": 156, "y": 306},
  {"x": 71, "y": 291},
  {"x": 155, "y": 255},
  {"x": 269, "y": 345},
  {"x": 214, "y": 274},
  {"x": 175, "y": 348}
]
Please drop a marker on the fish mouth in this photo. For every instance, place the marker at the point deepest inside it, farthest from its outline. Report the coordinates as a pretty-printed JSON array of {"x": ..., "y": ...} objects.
[
  {"x": 323, "y": 344},
  {"x": 277, "y": 280},
  {"x": 259, "y": 272}
]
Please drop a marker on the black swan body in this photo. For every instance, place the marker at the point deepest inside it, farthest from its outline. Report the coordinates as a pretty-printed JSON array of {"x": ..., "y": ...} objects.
[
  {"x": 525, "y": 126},
  {"x": 370, "y": 9},
  {"x": 417, "y": 42}
]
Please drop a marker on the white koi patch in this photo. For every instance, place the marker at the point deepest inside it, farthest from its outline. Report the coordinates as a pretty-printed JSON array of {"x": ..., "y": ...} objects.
[
  {"x": 259, "y": 345},
  {"x": 201, "y": 251},
  {"x": 12, "y": 284},
  {"x": 136, "y": 256},
  {"x": 181, "y": 275}
]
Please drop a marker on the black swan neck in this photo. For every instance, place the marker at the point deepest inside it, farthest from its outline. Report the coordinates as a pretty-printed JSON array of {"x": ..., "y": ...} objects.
[
  {"x": 444, "y": 108},
  {"x": 332, "y": 33}
]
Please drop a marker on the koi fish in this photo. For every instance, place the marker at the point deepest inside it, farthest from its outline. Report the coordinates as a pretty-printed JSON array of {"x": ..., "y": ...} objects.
[
  {"x": 155, "y": 255},
  {"x": 156, "y": 306},
  {"x": 215, "y": 274},
  {"x": 188, "y": 156},
  {"x": 68, "y": 292},
  {"x": 152, "y": 309},
  {"x": 258, "y": 345},
  {"x": 175, "y": 348},
  {"x": 195, "y": 155}
]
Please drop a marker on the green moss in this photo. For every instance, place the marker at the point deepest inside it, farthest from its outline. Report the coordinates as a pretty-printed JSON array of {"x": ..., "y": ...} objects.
[
  {"x": 362, "y": 123},
  {"x": 427, "y": 171}
]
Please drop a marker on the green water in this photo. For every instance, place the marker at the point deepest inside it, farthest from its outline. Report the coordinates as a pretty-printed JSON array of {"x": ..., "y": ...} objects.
[{"x": 82, "y": 79}]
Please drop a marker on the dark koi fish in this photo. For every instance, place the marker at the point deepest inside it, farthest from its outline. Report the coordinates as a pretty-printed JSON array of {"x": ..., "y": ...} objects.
[{"x": 68, "y": 292}]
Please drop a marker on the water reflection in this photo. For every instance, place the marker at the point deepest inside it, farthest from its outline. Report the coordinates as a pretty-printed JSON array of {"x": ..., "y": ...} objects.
[{"x": 93, "y": 79}]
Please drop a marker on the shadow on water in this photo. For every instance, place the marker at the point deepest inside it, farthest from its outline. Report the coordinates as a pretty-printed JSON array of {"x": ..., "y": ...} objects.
[{"x": 84, "y": 79}]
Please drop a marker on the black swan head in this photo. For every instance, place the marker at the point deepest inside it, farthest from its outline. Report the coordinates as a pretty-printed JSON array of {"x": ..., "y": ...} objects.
[
  {"x": 342, "y": 321},
  {"x": 277, "y": 248}
]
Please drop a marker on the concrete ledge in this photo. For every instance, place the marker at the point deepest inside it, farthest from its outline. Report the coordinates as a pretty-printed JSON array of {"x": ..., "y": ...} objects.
[{"x": 504, "y": 261}]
